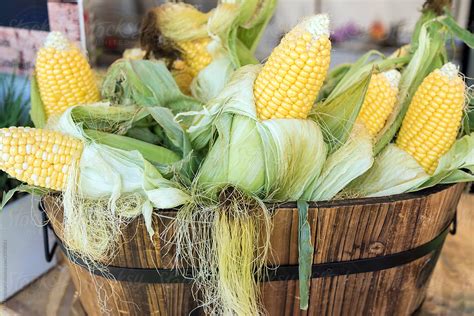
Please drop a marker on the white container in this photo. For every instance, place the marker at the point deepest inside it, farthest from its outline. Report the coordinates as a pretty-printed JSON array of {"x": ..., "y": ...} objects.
[{"x": 22, "y": 258}]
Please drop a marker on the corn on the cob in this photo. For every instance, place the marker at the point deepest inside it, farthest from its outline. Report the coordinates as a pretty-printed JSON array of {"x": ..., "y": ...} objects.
[
  {"x": 64, "y": 75},
  {"x": 379, "y": 100},
  {"x": 38, "y": 157},
  {"x": 290, "y": 80},
  {"x": 431, "y": 124},
  {"x": 195, "y": 54}
]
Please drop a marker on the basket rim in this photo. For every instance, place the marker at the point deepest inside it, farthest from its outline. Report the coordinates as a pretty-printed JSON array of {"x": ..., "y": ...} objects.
[
  {"x": 347, "y": 202},
  {"x": 370, "y": 200}
]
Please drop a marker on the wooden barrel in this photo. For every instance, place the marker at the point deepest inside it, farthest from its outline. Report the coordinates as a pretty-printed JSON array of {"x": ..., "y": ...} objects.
[{"x": 394, "y": 241}]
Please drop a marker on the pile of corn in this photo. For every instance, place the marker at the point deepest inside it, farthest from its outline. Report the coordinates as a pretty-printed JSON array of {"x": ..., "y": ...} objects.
[{"x": 290, "y": 129}]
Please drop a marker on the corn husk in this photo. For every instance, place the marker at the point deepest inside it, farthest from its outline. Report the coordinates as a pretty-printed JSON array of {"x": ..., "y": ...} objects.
[
  {"x": 387, "y": 177},
  {"x": 336, "y": 115},
  {"x": 347, "y": 163},
  {"x": 260, "y": 157},
  {"x": 145, "y": 83},
  {"x": 121, "y": 183},
  {"x": 211, "y": 80},
  {"x": 395, "y": 171}
]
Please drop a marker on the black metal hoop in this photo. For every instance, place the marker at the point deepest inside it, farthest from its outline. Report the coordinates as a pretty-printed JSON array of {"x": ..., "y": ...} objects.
[{"x": 278, "y": 273}]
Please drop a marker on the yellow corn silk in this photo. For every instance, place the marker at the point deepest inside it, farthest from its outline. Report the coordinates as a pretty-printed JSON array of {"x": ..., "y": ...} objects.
[
  {"x": 431, "y": 124},
  {"x": 379, "y": 101},
  {"x": 290, "y": 80},
  {"x": 38, "y": 157},
  {"x": 64, "y": 76}
]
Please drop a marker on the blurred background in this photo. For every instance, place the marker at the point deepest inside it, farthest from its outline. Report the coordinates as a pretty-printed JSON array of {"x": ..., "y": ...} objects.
[{"x": 105, "y": 28}]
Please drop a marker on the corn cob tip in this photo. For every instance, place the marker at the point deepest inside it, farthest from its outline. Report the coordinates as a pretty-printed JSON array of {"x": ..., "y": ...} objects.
[
  {"x": 317, "y": 25},
  {"x": 57, "y": 40},
  {"x": 450, "y": 70},
  {"x": 393, "y": 77}
]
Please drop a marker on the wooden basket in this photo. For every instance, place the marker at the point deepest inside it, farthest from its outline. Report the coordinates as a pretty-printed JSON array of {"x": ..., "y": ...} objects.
[{"x": 404, "y": 233}]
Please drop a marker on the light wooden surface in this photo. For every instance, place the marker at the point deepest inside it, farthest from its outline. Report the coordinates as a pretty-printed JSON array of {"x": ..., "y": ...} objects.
[{"x": 451, "y": 291}]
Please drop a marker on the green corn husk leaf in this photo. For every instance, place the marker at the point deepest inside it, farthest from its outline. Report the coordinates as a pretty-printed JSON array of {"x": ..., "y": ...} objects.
[
  {"x": 337, "y": 115},
  {"x": 145, "y": 83},
  {"x": 38, "y": 116},
  {"x": 426, "y": 58},
  {"x": 33, "y": 190},
  {"x": 109, "y": 171},
  {"x": 223, "y": 24},
  {"x": 250, "y": 32},
  {"x": 291, "y": 166},
  {"x": 305, "y": 253},
  {"x": 236, "y": 156},
  {"x": 394, "y": 171},
  {"x": 153, "y": 153},
  {"x": 262, "y": 158},
  {"x": 450, "y": 23},
  {"x": 211, "y": 80},
  {"x": 147, "y": 134},
  {"x": 364, "y": 65},
  {"x": 122, "y": 120},
  {"x": 174, "y": 132},
  {"x": 460, "y": 156},
  {"x": 468, "y": 119},
  {"x": 348, "y": 162},
  {"x": 106, "y": 118},
  {"x": 332, "y": 80}
]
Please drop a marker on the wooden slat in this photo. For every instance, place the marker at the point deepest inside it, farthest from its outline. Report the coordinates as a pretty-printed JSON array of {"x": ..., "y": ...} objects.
[{"x": 340, "y": 231}]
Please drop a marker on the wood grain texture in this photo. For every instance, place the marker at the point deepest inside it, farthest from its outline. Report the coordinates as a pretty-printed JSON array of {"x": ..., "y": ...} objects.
[{"x": 341, "y": 230}]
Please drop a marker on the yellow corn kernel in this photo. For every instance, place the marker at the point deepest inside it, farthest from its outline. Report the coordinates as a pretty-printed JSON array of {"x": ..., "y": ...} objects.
[
  {"x": 26, "y": 154},
  {"x": 182, "y": 75},
  {"x": 432, "y": 121},
  {"x": 379, "y": 100},
  {"x": 295, "y": 71},
  {"x": 64, "y": 75},
  {"x": 195, "y": 54}
]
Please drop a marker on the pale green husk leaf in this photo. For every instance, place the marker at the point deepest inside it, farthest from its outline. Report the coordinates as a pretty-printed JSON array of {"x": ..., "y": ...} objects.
[
  {"x": 145, "y": 83},
  {"x": 394, "y": 171},
  {"x": 350, "y": 161},
  {"x": 211, "y": 80},
  {"x": 460, "y": 156}
]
